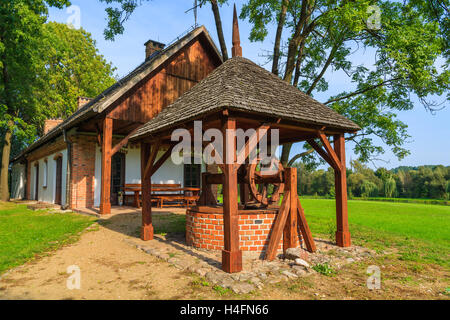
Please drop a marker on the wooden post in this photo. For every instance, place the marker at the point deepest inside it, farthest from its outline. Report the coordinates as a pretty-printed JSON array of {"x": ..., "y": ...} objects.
[
  {"x": 231, "y": 255},
  {"x": 105, "y": 197},
  {"x": 146, "y": 183},
  {"x": 342, "y": 232},
  {"x": 290, "y": 235}
]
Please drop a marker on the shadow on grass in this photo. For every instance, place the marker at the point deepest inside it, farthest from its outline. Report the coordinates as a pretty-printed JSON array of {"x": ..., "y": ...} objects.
[{"x": 169, "y": 229}]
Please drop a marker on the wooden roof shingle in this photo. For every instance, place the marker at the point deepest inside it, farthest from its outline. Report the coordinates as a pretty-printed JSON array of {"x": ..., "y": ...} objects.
[{"x": 239, "y": 84}]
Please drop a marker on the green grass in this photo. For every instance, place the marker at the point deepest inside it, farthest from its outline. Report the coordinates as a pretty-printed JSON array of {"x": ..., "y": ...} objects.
[
  {"x": 400, "y": 200},
  {"x": 25, "y": 234},
  {"x": 420, "y": 232}
]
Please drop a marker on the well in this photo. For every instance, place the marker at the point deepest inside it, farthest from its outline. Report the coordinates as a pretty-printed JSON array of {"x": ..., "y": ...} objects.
[{"x": 205, "y": 228}]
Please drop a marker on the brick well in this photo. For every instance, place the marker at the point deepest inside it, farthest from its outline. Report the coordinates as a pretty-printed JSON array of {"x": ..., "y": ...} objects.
[{"x": 204, "y": 230}]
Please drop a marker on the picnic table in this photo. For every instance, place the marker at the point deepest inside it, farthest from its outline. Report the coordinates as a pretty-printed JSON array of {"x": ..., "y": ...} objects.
[{"x": 166, "y": 192}]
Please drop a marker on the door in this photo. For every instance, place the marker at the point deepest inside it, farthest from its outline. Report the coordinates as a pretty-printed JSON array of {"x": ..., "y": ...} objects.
[
  {"x": 117, "y": 176},
  {"x": 36, "y": 182},
  {"x": 58, "y": 184},
  {"x": 192, "y": 175}
]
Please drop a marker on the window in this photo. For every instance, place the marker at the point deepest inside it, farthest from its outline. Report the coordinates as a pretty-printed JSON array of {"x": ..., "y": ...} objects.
[
  {"x": 45, "y": 178},
  {"x": 192, "y": 175}
]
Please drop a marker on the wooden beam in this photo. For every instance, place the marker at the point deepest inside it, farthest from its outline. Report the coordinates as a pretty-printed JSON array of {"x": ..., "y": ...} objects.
[
  {"x": 231, "y": 255},
  {"x": 290, "y": 235},
  {"x": 105, "y": 194},
  {"x": 146, "y": 183},
  {"x": 322, "y": 153},
  {"x": 330, "y": 151},
  {"x": 252, "y": 143},
  {"x": 304, "y": 228},
  {"x": 124, "y": 141},
  {"x": 207, "y": 195},
  {"x": 342, "y": 233},
  {"x": 152, "y": 157},
  {"x": 278, "y": 226},
  {"x": 162, "y": 160},
  {"x": 218, "y": 159}
]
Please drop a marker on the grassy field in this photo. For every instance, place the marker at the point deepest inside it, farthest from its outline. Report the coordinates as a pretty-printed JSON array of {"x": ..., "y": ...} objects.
[
  {"x": 25, "y": 234},
  {"x": 420, "y": 232}
]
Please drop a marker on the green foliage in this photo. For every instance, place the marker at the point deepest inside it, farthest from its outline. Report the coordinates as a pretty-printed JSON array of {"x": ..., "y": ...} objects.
[
  {"x": 424, "y": 182},
  {"x": 406, "y": 58},
  {"x": 325, "y": 269},
  {"x": 70, "y": 67}
]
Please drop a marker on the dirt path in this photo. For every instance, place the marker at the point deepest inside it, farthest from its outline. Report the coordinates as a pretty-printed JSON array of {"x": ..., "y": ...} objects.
[{"x": 110, "y": 269}]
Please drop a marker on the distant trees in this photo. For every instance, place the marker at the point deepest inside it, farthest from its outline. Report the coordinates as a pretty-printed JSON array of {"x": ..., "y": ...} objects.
[{"x": 429, "y": 182}]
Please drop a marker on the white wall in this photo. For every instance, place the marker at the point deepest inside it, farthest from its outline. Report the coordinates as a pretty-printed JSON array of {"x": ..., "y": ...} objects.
[
  {"x": 48, "y": 194},
  {"x": 18, "y": 181},
  {"x": 168, "y": 173}
]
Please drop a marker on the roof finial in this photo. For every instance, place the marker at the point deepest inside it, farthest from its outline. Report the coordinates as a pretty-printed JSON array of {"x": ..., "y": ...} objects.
[{"x": 236, "y": 51}]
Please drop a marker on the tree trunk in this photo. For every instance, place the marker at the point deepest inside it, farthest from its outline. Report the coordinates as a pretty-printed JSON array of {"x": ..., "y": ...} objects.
[
  {"x": 276, "y": 49},
  {"x": 4, "y": 188},
  {"x": 285, "y": 154},
  {"x": 223, "y": 46}
]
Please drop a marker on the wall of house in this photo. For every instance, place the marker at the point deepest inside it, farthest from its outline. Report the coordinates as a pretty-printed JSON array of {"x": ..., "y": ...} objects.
[
  {"x": 168, "y": 173},
  {"x": 83, "y": 171},
  {"x": 47, "y": 193},
  {"x": 18, "y": 181}
]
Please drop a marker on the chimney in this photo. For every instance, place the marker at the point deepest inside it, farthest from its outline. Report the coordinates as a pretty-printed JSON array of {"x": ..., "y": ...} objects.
[
  {"x": 49, "y": 124},
  {"x": 151, "y": 47},
  {"x": 82, "y": 101}
]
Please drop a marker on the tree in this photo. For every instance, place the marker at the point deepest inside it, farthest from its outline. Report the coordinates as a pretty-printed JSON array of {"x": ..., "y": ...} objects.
[
  {"x": 70, "y": 67},
  {"x": 406, "y": 48},
  {"x": 20, "y": 27},
  {"x": 44, "y": 67}
]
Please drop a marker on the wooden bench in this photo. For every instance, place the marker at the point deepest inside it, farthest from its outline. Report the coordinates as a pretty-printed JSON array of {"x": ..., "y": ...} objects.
[{"x": 161, "y": 193}]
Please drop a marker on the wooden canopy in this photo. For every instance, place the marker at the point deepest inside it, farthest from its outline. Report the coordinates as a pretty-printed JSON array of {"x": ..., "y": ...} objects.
[{"x": 241, "y": 95}]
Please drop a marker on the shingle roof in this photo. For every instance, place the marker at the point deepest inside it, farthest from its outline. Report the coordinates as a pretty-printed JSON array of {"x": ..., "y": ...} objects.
[
  {"x": 242, "y": 85},
  {"x": 113, "y": 93}
]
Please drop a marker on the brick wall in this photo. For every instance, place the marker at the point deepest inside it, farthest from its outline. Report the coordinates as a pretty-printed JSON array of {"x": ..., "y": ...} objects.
[
  {"x": 83, "y": 171},
  {"x": 206, "y": 231},
  {"x": 49, "y": 124}
]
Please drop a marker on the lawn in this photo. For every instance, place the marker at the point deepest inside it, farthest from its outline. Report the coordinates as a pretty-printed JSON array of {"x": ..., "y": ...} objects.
[
  {"x": 420, "y": 232},
  {"x": 25, "y": 234}
]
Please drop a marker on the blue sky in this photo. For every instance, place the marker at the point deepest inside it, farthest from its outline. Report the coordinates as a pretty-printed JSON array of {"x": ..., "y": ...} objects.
[{"x": 164, "y": 21}]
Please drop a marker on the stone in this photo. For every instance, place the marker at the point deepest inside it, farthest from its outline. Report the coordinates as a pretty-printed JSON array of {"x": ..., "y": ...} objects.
[
  {"x": 202, "y": 271},
  {"x": 350, "y": 260},
  {"x": 213, "y": 277},
  {"x": 296, "y": 253},
  {"x": 242, "y": 287},
  {"x": 299, "y": 270},
  {"x": 289, "y": 274},
  {"x": 262, "y": 276},
  {"x": 301, "y": 262},
  {"x": 255, "y": 280},
  {"x": 244, "y": 276}
]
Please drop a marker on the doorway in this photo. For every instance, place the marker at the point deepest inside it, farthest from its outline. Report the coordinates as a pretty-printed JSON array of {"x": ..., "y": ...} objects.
[
  {"x": 58, "y": 183},
  {"x": 36, "y": 182},
  {"x": 117, "y": 176}
]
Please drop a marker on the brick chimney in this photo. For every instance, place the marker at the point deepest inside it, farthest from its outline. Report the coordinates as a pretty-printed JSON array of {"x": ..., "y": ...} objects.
[
  {"x": 82, "y": 101},
  {"x": 151, "y": 47},
  {"x": 49, "y": 124}
]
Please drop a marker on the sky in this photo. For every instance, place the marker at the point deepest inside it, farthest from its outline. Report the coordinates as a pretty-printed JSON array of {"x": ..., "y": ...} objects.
[{"x": 164, "y": 21}]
